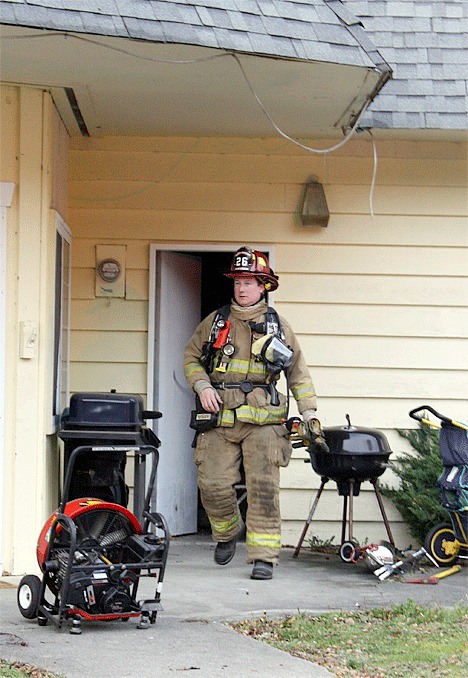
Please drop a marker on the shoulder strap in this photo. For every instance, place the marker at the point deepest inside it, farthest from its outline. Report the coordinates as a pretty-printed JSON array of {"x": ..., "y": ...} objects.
[
  {"x": 273, "y": 324},
  {"x": 223, "y": 312},
  {"x": 208, "y": 351}
]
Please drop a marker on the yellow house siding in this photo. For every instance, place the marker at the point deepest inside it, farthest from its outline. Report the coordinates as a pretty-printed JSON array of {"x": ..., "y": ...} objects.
[
  {"x": 328, "y": 289},
  {"x": 9, "y": 133},
  {"x": 265, "y": 198},
  {"x": 352, "y": 229},
  {"x": 59, "y": 163},
  {"x": 379, "y": 304},
  {"x": 146, "y": 166}
]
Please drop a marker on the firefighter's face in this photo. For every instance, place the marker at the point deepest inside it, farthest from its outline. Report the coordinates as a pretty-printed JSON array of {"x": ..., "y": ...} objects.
[{"x": 248, "y": 290}]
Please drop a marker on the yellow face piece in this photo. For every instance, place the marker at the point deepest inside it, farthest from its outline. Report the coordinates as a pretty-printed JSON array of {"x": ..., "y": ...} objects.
[{"x": 258, "y": 344}]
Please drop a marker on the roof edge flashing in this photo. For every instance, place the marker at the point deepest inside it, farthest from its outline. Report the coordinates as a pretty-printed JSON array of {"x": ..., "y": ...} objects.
[{"x": 357, "y": 29}]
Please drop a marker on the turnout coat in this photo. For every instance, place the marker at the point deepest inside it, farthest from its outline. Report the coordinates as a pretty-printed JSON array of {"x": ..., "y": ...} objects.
[{"x": 254, "y": 407}]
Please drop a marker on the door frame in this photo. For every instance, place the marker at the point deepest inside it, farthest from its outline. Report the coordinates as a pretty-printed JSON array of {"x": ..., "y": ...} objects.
[{"x": 152, "y": 292}]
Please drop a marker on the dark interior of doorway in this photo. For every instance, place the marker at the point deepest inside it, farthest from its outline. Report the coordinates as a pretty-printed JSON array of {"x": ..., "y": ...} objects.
[{"x": 216, "y": 291}]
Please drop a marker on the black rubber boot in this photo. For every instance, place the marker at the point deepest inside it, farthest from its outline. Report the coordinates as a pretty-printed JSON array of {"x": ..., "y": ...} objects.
[
  {"x": 224, "y": 551},
  {"x": 262, "y": 570}
]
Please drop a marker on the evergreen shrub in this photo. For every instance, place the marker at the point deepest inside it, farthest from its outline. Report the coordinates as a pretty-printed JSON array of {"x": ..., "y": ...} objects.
[{"x": 417, "y": 498}]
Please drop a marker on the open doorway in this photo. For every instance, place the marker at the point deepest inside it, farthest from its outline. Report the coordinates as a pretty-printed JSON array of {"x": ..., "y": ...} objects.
[{"x": 186, "y": 284}]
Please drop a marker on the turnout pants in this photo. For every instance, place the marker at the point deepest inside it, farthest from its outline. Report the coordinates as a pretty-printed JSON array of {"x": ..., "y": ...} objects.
[{"x": 218, "y": 455}]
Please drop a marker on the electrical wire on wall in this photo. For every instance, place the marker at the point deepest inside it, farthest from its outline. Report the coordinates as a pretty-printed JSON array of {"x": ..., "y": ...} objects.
[
  {"x": 226, "y": 54},
  {"x": 374, "y": 174},
  {"x": 286, "y": 136}
]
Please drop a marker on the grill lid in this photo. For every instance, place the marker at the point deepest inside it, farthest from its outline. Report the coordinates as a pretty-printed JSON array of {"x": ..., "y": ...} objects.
[
  {"x": 109, "y": 410},
  {"x": 355, "y": 440}
]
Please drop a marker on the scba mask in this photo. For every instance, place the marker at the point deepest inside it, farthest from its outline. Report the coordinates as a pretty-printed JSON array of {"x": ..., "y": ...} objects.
[{"x": 274, "y": 353}]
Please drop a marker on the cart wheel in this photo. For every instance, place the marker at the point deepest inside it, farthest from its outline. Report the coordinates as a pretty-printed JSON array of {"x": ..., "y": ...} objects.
[
  {"x": 440, "y": 544},
  {"x": 29, "y": 591},
  {"x": 347, "y": 549}
]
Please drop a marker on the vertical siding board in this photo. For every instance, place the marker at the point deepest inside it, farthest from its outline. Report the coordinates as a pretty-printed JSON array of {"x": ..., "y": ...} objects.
[
  {"x": 380, "y": 304},
  {"x": 26, "y": 479},
  {"x": 35, "y": 149}
]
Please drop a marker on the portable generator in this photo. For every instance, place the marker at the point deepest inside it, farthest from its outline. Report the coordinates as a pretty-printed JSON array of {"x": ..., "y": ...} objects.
[{"x": 93, "y": 550}]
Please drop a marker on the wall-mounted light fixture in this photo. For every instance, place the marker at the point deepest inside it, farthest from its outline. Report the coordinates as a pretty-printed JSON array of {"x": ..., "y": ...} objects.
[{"x": 314, "y": 209}]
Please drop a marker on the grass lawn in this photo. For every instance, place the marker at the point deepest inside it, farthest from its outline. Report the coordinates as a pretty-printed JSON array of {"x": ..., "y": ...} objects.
[
  {"x": 21, "y": 670},
  {"x": 376, "y": 643}
]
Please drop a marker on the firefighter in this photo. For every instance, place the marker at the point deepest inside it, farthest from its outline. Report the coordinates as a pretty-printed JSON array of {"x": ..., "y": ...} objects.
[{"x": 233, "y": 362}]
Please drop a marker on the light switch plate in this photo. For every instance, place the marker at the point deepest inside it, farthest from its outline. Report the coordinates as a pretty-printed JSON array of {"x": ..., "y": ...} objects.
[{"x": 28, "y": 339}]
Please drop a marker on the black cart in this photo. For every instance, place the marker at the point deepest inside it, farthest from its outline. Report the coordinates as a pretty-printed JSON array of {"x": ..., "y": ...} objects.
[{"x": 93, "y": 550}]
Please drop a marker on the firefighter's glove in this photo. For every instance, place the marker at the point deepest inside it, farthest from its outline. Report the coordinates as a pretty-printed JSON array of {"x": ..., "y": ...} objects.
[
  {"x": 312, "y": 434},
  {"x": 291, "y": 425}
]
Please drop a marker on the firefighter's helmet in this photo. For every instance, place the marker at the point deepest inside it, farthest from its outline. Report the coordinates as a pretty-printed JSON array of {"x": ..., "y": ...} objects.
[
  {"x": 378, "y": 555},
  {"x": 252, "y": 262}
]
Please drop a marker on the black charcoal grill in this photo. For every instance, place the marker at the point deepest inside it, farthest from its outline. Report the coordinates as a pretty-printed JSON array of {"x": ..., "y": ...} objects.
[
  {"x": 103, "y": 420},
  {"x": 356, "y": 455}
]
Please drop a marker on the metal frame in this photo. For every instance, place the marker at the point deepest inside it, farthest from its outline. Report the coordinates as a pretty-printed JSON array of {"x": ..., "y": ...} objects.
[
  {"x": 60, "y": 610},
  {"x": 347, "y": 513}
]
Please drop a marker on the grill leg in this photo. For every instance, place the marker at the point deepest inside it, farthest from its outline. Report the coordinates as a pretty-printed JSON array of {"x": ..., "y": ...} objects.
[
  {"x": 343, "y": 520},
  {"x": 309, "y": 519},
  {"x": 382, "y": 511},
  {"x": 351, "y": 496}
]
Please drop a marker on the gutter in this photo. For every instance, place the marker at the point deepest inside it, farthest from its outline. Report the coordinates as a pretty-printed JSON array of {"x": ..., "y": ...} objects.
[{"x": 357, "y": 30}]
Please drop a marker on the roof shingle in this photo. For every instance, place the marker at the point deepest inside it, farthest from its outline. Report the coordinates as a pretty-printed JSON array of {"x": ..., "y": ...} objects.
[
  {"x": 423, "y": 41},
  {"x": 280, "y": 25},
  {"x": 425, "y": 44}
]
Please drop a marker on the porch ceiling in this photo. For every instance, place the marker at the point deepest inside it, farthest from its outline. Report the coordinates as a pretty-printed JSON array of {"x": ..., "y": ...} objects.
[{"x": 124, "y": 87}]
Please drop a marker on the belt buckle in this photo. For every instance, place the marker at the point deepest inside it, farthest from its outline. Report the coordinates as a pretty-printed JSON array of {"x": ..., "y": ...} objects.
[{"x": 246, "y": 386}]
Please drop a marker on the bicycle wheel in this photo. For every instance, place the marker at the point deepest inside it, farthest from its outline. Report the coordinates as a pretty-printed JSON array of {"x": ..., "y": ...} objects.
[{"x": 442, "y": 545}]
